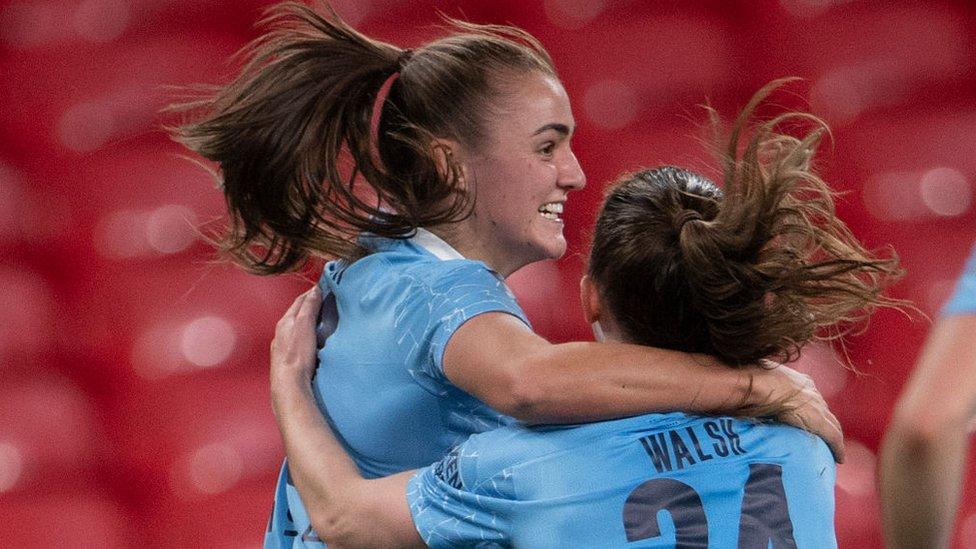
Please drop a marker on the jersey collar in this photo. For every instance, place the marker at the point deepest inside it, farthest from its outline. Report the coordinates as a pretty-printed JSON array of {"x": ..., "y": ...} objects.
[{"x": 433, "y": 244}]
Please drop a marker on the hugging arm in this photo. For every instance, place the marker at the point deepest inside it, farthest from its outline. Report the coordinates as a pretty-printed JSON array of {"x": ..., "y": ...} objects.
[
  {"x": 499, "y": 360},
  {"x": 345, "y": 510}
]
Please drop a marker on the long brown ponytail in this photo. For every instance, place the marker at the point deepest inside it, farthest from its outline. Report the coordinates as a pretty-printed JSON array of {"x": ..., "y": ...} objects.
[
  {"x": 302, "y": 172},
  {"x": 753, "y": 271}
]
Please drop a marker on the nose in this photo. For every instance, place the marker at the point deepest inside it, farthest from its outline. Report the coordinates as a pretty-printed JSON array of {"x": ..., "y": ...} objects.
[{"x": 571, "y": 176}]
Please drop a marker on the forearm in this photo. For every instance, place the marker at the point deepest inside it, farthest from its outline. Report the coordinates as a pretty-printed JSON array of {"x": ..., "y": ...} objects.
[
  {"x": 575, "y": 382},
  {"x": 346, "y": 511},
  {"x": 923, "y": 456},
  {"x": 921, "y": 475},
  {"x": 325, "y": 476}
]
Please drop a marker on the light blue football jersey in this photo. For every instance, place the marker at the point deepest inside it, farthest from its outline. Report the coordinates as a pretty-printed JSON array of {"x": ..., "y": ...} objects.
[
  {"x": 963, "y": 300},
  {"x": 381, "y": 382},
  {"x": 658, "y": 480}
]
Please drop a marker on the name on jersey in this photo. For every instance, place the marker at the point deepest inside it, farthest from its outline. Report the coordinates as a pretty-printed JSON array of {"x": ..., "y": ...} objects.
[{"x": 679, "y": 448}]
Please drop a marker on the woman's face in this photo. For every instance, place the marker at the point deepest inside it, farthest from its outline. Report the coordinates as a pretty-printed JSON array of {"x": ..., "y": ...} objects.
[{"x": 522, "y": 175}]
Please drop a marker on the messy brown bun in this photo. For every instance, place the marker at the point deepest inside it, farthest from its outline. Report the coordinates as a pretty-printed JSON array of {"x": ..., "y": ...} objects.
[{"x": 751, "y": 271}]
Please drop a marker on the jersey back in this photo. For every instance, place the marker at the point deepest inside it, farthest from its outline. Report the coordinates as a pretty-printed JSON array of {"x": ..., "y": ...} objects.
[{"x": 658, "y": 480}]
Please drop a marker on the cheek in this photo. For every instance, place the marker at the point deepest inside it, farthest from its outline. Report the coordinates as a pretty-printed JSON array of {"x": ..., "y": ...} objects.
[{"x": 510, "y": 192}]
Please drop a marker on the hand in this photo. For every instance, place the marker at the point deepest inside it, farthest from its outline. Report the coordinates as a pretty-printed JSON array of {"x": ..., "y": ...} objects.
[
  {"x": 294, "y": 348},
  {"x": 796, "y": 401}
]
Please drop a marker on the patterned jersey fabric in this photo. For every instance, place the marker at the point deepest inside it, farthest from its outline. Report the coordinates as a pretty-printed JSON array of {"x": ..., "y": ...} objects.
[
  {"x": 381, "y": 380},
  {"x": 658, "y": 480}
]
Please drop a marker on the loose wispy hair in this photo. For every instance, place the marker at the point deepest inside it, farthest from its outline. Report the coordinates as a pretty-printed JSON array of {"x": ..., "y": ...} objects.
[{"x": 753, "y": 270}]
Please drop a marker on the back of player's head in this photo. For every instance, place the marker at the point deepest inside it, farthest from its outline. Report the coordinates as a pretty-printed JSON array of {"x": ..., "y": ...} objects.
[
  {"x": 327, "y": 133},
  {"x": 754, "y": 270}
]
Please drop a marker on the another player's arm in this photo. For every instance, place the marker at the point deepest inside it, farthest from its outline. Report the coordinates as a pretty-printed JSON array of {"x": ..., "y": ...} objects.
[
  {"x": 495, "y": 357},
  {"x": 345, "y": 510},
  {"x": 924, "y": 452}
]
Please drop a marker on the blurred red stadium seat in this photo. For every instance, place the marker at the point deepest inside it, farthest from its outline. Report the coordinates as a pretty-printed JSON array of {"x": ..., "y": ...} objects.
[
  {"x": 82, "y": 519},
  {"x": 28, "y": 304},
  {"x": 235, "y": 519},
  {"x": 48, "y": 432},
  {"x": 196, "y": 438},
  {"x": 862, "y": 56}
]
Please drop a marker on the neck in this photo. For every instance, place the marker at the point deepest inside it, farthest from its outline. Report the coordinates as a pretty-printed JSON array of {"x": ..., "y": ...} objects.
[
  {"x": 474, "y": 246},
  {"x": 609, "y": 329}
]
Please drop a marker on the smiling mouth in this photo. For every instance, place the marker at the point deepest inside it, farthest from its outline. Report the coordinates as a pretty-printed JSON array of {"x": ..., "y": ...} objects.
[{"x": 552, "y": 211}]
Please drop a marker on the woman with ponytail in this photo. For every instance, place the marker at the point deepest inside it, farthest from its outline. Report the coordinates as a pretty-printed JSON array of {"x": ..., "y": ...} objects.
[{"x": 427, "y": 176}]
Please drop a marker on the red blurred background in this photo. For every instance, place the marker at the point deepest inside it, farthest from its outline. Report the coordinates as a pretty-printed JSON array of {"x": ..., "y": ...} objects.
[{"x": 134, "y": 406}]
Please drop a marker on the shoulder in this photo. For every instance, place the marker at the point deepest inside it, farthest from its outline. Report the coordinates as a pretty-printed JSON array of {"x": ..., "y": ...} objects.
[
  {"x": 404, "y": 264},
  {"x": 463, "y": 273},
  {"x": 773, "y": 440},
  {"x": 485, "y": 462},
  {"x": 502, "y": 453}
]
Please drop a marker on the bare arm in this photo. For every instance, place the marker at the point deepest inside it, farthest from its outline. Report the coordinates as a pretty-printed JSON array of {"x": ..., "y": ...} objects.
[
  {"x": 924, "y": 452},
  {"x": 346, "y": 510},
  {"x": 497, "y": 359}
]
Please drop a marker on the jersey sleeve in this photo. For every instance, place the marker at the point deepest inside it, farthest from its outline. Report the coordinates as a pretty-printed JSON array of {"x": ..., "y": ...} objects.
[
  {"x": 455, "y": 297},
  {"x": 963, "y": 300},
  {"x": 452, "y": 506}
]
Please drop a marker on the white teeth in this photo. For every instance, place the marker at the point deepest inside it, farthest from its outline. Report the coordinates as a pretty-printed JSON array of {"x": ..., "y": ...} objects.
[{"x": 552, "y": 207}]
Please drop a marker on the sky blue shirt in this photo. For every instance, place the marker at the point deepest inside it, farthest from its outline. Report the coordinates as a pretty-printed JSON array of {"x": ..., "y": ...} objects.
[
  {"x": 381, "y": 381},
  {"x": 657, "y": 480},
  {"x": 963, "y": 300}
]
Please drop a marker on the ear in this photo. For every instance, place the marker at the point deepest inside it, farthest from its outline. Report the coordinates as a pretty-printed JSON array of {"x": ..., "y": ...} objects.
[
  {"x": 442, "y": 150},
  {"x": 590, "y": 300}
]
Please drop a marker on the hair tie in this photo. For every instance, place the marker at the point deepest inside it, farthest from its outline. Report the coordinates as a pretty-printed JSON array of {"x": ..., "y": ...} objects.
[
  {"x": 374, "y": 120},
  {"x": 683, "y": 217},
  {"x": 404, "y": 56},
  {"x": 380, "y": 102}
]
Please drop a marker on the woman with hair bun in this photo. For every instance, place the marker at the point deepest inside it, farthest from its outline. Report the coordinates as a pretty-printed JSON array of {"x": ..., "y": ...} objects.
[{"x": 429, "y": 175}]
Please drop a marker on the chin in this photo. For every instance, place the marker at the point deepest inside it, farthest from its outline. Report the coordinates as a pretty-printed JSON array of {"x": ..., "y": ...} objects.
[{"x": 554, "y": 249}]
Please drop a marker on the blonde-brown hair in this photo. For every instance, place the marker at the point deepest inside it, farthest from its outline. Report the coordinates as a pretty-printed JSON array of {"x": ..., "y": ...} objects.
[
  {"x": 293, "y": 139},
  {"x": 752, "y": 271}
]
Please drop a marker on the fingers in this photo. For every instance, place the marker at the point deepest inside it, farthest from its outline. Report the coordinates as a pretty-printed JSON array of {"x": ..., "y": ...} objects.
[
  {"x": 311, "y": 303},
  {"x": 836, "y": 443},
  {"x": 809, "y": 411},
  {"x": 831, "y": 431},
  {"x": 293, "y": 349},
  {"x": 295, "y": 305}
]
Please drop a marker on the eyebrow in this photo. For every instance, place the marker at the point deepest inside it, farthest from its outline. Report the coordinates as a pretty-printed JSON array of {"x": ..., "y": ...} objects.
[{"x": 555, "y": 126}]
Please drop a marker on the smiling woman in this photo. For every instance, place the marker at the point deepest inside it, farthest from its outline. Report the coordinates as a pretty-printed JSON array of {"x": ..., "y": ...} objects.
[{"x": 460, "y": 161}]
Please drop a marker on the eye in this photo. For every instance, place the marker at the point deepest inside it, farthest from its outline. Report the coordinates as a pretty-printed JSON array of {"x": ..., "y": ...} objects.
[{"x": 548, "y": 149}]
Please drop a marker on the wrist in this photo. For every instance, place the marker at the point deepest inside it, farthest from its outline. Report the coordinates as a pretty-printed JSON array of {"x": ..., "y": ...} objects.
[
  {"x": 288, "y": 386},
  {"x": 762, "y": 385}
]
